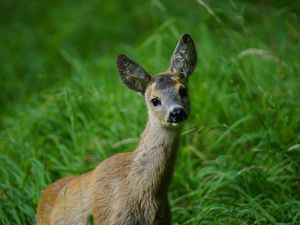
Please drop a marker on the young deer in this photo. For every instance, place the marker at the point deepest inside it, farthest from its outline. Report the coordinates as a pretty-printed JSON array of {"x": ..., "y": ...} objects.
[{"x": 131, "y": 188}]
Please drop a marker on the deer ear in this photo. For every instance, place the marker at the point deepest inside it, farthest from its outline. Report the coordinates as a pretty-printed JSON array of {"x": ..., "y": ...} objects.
[
  {"x": 184, "y": 58},
  {"x": 132, "y": 74}
]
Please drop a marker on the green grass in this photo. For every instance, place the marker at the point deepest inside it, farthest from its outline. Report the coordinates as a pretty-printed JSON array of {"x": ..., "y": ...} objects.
[{"x": 64, "y": 108}]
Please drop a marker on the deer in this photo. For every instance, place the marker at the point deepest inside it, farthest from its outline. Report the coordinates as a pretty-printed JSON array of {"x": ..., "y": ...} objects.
[{"x": 130, "y": 188}]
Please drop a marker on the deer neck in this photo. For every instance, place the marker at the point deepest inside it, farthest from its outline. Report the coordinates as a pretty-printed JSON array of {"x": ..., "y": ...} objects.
[{"x": 154, "y": 158}]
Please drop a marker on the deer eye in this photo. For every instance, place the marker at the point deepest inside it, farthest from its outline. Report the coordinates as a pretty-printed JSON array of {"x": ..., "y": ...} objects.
[
  {"x": 183, "y": 92},
  {"x": 155, "y": 101}
]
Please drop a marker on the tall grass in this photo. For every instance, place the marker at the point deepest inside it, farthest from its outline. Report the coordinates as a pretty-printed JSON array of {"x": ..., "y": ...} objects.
[{"x": 64, "y": 108}]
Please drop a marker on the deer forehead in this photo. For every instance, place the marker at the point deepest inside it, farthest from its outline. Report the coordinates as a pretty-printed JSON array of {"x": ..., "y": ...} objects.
[{"x": 166, "y": 81}]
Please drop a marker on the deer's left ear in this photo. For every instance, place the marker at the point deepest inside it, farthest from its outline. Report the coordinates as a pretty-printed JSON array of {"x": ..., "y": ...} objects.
[
  {"x": 184, "y": 58},
  {"x": 132, "y": 74}
]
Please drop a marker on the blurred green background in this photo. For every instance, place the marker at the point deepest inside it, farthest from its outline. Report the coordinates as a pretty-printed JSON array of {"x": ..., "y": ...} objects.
[{"x": 64, "y": 108}]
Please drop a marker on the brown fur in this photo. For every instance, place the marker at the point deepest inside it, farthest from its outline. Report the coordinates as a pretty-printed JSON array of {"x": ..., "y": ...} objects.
[
  {"x": 127, "y": 188},
  {"x": 130, "y": 188}
]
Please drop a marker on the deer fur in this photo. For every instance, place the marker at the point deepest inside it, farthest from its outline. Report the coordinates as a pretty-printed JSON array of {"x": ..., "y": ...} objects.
[{"x": 130, "y": 188}]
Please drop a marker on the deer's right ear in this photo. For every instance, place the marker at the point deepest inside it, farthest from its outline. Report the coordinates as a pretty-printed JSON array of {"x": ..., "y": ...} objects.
[{"x": 132, "y": 74}]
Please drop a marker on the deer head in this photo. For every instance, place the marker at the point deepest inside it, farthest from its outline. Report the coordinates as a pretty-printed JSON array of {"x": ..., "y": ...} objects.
[{"x": 166, "y": 94}]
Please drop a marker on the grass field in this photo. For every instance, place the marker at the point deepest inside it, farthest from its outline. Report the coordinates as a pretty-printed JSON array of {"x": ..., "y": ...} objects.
[{"x": 64, "y": 108}]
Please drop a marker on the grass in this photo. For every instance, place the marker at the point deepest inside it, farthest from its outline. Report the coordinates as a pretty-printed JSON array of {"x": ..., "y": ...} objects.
[{"x": 64, "y": 108}]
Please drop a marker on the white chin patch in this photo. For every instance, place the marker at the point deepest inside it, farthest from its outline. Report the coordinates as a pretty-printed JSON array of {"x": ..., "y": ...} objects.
[{"x": 174, "y": 124}]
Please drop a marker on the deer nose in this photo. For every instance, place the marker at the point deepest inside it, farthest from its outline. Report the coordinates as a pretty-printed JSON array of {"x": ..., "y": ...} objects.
[{"x": 177, "y": 114}]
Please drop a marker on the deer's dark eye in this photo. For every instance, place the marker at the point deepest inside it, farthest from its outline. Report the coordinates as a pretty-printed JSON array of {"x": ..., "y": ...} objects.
[
  {"x": 155, "y": 101},
  {"x": 183, "y": 92}
]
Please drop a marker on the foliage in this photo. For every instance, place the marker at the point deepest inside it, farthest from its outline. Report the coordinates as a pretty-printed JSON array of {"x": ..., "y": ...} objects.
[{"x": 64, "y": 108}]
